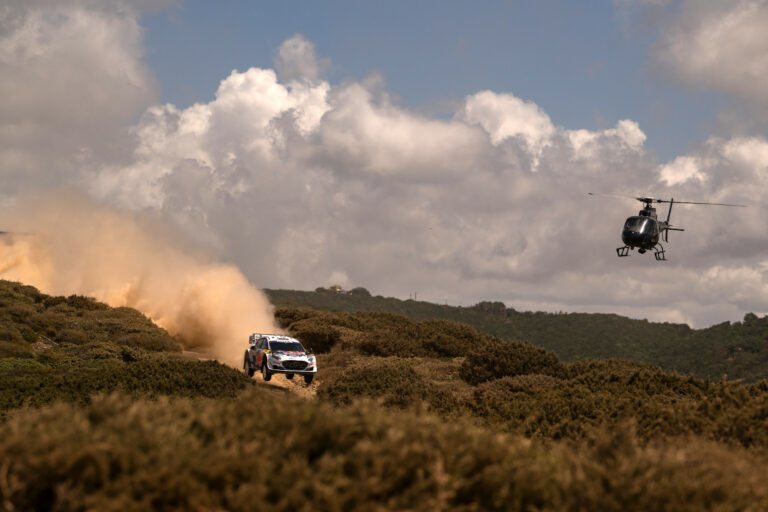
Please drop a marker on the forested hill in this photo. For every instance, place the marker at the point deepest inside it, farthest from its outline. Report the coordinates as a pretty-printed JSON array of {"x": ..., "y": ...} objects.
[{"x": 738, "y": 350}]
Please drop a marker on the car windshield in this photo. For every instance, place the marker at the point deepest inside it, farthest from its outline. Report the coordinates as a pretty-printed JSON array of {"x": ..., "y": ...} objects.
[{"x": 286, "y": 346}]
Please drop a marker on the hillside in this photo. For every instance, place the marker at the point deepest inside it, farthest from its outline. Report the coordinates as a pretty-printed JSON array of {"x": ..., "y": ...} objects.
[
  {"x": 68, "y": 348},
  {"x": 738, "y": 350},
  {"x": 99, "y": 411}
]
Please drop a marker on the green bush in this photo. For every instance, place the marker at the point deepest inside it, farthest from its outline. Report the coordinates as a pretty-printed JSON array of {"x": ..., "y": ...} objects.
[
  {"x": 74, "y": 336},
  {"x": 360, "y": 291},
  {"x": 50, "y": 302},
  {"x": 95, "y": 369},
  {"x": 392, "y": 381},
  {"x": 286, "y": 316},
  {"x": 499, "y": 358},
  {"x": 14, "y": 349},
  {"x": 153, "y": 341},
  {"x": 385, "y": 344},
  {"x": 97, "y": 350},
  {"x": 378, "y": 334},
  {"x": 319, "y": 336},
  {"x": 85, "y": 303},
  {"x": 75, "y": 319},
  {"x": 11, "y": 335},
  {"x": 121, "y": 454}
]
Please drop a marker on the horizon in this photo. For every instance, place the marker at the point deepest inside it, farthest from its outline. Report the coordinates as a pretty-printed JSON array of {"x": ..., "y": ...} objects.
[{"x": 533, "y": 311}]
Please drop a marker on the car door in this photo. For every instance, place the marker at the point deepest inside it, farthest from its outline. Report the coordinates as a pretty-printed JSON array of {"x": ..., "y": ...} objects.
[{"x": 260, "y": 346}]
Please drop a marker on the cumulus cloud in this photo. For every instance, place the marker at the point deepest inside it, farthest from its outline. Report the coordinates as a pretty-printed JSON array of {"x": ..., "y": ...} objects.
[
  {"x": 301, "y": 183},
  {"x": 722, "y": 45},
  {"x": 504, "y": 115},
  {"x": 296, "y": 60},
  {"x": 322, "y": 183},
  {"x": 71, "y": 78}
]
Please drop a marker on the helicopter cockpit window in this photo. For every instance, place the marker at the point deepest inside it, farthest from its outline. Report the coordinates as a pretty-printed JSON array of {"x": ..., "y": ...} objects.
[{"x": 639, "y": 224}]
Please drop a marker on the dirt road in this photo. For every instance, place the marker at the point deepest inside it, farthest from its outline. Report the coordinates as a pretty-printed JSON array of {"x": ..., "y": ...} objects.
[{"x": 296, "y": 386}]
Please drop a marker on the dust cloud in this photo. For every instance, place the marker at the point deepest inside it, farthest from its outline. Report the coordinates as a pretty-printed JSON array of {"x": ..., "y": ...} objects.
[{"x": 65, "y": 245}]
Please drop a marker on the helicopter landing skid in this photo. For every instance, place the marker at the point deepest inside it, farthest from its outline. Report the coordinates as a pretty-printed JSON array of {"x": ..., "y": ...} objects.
[
  {"x": 623, "y": 252},
  {"x": 660, "y": 255}
]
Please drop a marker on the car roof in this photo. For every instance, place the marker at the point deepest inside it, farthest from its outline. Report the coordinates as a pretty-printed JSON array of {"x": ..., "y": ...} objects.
[{"x": 274, "y": 337}]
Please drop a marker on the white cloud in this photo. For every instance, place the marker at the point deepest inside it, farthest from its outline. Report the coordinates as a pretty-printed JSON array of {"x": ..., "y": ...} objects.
[
  {"x": 296, "y": 60},
  {"x": 504, "y": 115},
  {"x": 682, "y": 169},
  {"x": 71, "y": 77},
  {"x": 722, "y": 45},
  {"x": 360, "y": 134}
]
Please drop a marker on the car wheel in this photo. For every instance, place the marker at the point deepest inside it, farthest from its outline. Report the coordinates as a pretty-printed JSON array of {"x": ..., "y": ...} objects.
[
  {"x": 247, "y": 367},
  {"x": 289, "y": 376},
  {"x": 308, "y": 378},
  {"x": 265, "y": 371}
]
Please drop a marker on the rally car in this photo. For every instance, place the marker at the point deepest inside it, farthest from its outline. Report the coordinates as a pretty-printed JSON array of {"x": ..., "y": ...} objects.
[{"x": 273, "y": 353}]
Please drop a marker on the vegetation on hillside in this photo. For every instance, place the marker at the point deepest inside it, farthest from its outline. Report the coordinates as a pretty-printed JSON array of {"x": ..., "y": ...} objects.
[
  {"x": 516, "y": 387},
  {"x": 27, "y": 316},
  {"x": 738, "y": 350},
  {"x": 418, "y": 415},
  {"x": 281, "y": 453},
  {"x": 68, "y": 348}
]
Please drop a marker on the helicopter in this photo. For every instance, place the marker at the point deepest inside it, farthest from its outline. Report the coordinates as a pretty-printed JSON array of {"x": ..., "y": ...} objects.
[{"x": 643, "y": 230}]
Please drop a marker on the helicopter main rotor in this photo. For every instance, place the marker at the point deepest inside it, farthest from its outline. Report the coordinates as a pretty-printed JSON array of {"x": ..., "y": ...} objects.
[{"x": 650, "y": 200}]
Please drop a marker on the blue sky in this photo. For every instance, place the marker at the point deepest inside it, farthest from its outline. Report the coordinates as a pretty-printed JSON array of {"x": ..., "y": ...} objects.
[{"x": 579, "y": 61}]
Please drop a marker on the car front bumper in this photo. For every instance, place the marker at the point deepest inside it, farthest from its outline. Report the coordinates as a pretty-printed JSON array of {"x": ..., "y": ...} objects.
[{"x": 275, "y": 368}]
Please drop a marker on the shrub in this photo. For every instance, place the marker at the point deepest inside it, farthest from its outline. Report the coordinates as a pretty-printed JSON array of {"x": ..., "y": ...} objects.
[
  {"x": 360, "y": 291},
  {"x": 318, "y": 336},
  {"x": 28, "y": 291},
  {"x": 386, "y": 343},
  {"x": 122, "y": 454},
  {"x": 85, "y": 303},
  {"x": 28, "y": 334},
  {"x": 287, "y": 316},
  {"x": 50, "y": 302},
  {"x": 499, "y": 358},
  {"x": 449, "y": 339},
  {"x": 14, "y": 349},
  {"x": 74, "y": 336},
  {"x": 10, "y": 335},
  {"x": 530, "y": 383},
  {"x": 95, "y": 369},
  {"x": 490, "y": 307},
  {"x": 392, "y": 381},
  {"x": 379, "y": 334},
  {"x": 154, "y": 341},
  {"x": 93, "y": 351}
]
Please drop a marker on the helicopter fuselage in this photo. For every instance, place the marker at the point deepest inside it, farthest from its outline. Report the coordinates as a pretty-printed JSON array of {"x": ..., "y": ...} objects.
[{"x": 642, "y": 231}]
